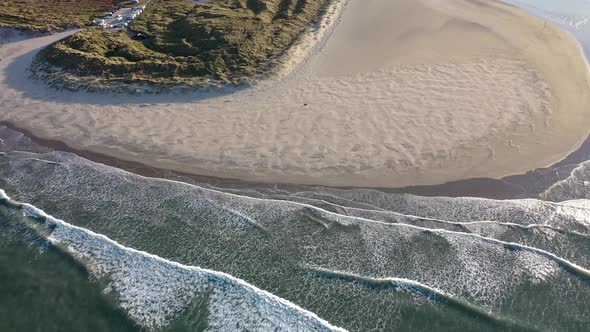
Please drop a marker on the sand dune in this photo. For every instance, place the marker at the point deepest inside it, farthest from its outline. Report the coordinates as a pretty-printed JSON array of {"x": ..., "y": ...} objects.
[{"x": 393, "y": 93}]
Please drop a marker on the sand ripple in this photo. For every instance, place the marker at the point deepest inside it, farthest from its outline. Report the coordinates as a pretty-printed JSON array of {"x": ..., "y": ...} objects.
[{"x": 399, "y": 93}]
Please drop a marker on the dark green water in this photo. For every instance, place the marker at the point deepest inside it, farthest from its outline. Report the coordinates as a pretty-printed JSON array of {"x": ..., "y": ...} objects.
[{"x": 44, "y": 289}]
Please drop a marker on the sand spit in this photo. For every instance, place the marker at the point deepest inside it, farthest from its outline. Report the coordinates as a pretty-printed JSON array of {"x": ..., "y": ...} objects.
[{"x": 399, "y": 92}]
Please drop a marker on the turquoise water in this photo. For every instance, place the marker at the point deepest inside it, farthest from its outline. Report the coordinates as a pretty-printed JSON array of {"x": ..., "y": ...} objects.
[
  {"x": 558, "y": 8},
  {"x": 100, "y": 249}
]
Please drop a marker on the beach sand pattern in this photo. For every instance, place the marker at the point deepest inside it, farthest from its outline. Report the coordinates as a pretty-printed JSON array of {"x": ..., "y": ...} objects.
[{"x": 402, "y": 93}]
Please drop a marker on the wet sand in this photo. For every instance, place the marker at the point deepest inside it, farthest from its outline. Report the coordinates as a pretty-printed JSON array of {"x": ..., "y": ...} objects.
[
  {"x": 401, "y": 93},
  {"x": 527, "y": 185}
]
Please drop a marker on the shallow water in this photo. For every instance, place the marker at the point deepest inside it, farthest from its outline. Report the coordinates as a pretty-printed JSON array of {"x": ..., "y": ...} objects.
[
  {"x": 101, "y": 249},
  {"x": 572, "y": 15},
  {"x": 43, "y": 288},
  {"x": 571, "y": 12},
  {"x": 358, "y": 259}
]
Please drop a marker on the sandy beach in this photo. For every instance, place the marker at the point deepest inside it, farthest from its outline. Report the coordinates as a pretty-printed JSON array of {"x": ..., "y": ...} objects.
[{"x": 390, "y": 94}]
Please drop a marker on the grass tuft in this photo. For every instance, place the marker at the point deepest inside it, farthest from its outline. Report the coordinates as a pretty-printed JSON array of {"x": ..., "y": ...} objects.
[{"x": 227, "y": 41}]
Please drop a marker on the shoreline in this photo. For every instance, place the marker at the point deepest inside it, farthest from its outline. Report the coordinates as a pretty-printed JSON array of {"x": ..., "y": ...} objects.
[
  {"x": 526, "y": 185},
  {"x": 92, "y": 130}
]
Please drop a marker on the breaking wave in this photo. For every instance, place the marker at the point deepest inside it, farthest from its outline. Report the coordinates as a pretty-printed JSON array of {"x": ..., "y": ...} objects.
[
  {"x": 463, "y": 262},
  {"x": 154, "y": 290}
]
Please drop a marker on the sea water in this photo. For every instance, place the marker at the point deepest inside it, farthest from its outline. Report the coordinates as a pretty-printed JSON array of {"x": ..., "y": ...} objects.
[
  {"x": 572, "y": 15},
  {"x": 158, "y": 254}
]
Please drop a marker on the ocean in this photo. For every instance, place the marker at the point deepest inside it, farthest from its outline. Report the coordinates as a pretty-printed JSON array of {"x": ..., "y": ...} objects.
[{"x": 90, "y": 247}]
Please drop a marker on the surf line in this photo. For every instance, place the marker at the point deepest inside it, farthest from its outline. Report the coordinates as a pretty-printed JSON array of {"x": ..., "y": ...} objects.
[
  {"x": 564, "y": 263},
  {"x": 437, "y": 220},
  {"x": 567, "y": 265},
  {"x": 51, "y": 222},
  {"x": 415, "y": 287}
]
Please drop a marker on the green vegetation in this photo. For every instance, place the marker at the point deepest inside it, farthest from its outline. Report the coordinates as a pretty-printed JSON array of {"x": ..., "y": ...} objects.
[
  {"x": 47, "y": 16},
  {"x": 191, "y": 44}
]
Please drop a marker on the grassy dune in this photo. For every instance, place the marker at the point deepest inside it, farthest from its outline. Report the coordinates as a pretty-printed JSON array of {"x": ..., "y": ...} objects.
[
  {"x": 226, "y": 41},
  {"x": 50, "y": 15}
]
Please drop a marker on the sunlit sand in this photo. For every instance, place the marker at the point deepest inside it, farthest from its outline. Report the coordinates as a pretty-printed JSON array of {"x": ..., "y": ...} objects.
[{"x": 393, "y": 93}]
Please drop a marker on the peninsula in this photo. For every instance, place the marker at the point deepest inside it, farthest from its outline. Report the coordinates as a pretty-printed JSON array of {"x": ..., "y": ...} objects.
[{"x": 377, "y": 93}]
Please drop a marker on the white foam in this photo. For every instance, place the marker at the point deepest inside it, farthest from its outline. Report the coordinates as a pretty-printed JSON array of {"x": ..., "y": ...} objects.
[
  {"x": 154, "y": 290},
  {"x": 476, "y": 268}
]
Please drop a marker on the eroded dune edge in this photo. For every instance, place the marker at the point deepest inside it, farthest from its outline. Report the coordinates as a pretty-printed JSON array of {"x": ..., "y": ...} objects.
[{"x": 392, "y": 93}]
